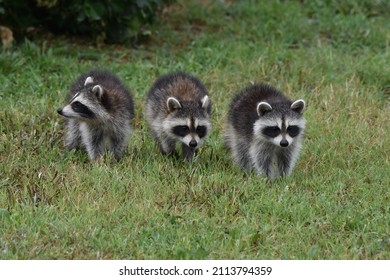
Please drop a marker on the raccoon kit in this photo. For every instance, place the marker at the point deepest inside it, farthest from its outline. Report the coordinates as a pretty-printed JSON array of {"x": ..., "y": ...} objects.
[
  {"x": 265, "y": 130},
  {"x": 98, "y": 114},
  {"x": 178, "y": 111}
]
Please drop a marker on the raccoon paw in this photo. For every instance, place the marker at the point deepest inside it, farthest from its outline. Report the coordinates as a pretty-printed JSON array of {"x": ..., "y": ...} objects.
[{"x": 188, "y": 153}]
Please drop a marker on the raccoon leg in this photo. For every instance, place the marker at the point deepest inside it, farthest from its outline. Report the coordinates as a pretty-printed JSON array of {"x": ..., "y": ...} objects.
[
  {"x": 240, "y": 154},
  {"x": 167, "y": 146},
  {"x": 262, "y": 162},
  {"x": 188, "y": 153},
  {"x": 284, "y": 164},
  {"x": 72, "y": 135},
  {"x": 118, "y": 144},
  {"x": 261, "y": 157},
  {"x": 93, "y": 141},
  {"x": 264, "y": 166}
]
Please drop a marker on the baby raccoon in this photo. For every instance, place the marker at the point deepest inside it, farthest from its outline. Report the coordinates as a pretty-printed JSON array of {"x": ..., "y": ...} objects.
[
  {"x": 265, "y": 130},
  {"x": 99, "y": 111},
  {"x": 178, "y": 110}
]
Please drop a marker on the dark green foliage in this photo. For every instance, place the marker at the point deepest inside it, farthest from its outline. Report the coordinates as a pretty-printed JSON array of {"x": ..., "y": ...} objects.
[
  {"x": 108, "y": 20},
  {"x": 351, "y": 7}
]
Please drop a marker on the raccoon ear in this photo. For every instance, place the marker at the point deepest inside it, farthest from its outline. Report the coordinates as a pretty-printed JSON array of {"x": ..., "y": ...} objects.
[
  {"x": 298, "y": 106},
  {"x": 205, "y": 102},
  {"x": 262, "y": 108},
  {"x": 88, "y": 80},
  {"x": 98, "y": 90},
  {"x": 173, "y": 104}
]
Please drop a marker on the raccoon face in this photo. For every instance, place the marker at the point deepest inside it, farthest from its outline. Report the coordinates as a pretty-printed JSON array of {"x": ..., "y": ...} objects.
[
  {"x": 85, "y": 104},
  {"x": 280, "y": 127},
  {"x": 187, "y": 122}
]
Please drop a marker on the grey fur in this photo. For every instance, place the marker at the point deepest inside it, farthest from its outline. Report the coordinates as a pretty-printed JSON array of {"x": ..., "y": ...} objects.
[
  {"x": 178, "y": 100},
  {"x": 99, "y": 110},
  {"x": 265, "y": 130}
]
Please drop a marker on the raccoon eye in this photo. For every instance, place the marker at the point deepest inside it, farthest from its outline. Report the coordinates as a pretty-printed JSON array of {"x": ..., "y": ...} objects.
[
  {"x": 76, "y": 104},
  {"x": 181, "y": 130},
  {"x": 271, "y": 131},
  {"x": 82, "y": 110},
  {"x": 78, "y": 107},
  {"x": 293, "y": 130},
  {"x": 201, "y": 131}
]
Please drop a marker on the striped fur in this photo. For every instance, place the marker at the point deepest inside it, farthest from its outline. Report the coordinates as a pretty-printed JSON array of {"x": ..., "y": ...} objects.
[
  {"x": 178, "y": 111},
  {"x": 265, "y": 130},
  {"x": 98, "y": 114}
]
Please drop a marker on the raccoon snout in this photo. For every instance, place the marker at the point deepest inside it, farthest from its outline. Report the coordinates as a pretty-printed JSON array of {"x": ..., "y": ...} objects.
[
  {"x": 284, "y": 143},
  {"x": 193, "y": 143},
  {"x": 59, "y": 111}
]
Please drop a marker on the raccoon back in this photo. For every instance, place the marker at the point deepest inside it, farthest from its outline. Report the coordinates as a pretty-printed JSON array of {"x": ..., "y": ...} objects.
[
  {"x": 182, "y": 86},
  {"x": 118, "y": 97},
  {"x": 243, "y": 110}
]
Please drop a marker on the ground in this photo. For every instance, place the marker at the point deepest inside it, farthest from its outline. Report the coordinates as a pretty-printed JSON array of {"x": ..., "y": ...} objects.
[{"x": 55, "y": 204}]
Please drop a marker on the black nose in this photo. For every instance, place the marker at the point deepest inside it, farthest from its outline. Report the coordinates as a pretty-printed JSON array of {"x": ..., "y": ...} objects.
[
  {"x": 59, "y": 111},
  {"x": 193, "y": 143},
  {"x": 284, "y": 143}
]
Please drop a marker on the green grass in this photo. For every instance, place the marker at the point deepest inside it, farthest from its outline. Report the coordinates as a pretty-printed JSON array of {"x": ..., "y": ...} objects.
[{"x": 335, "y": 205}]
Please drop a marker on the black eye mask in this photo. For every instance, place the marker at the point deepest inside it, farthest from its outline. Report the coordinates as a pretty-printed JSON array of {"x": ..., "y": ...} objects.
[
  {"x": 293, "y": 130},
  {"x": 271, "y": 131},
  {"x": 201, "y": 131},
  {"x": 181, "y": 130},
  {"x": 82, "y": 110}
]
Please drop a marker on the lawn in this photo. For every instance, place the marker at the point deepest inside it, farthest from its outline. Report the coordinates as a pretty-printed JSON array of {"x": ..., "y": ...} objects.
[{"x": 55, "y": 204}]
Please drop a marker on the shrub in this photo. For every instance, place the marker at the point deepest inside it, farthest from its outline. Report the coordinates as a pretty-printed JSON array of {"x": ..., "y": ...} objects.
[{"x": 110, "y": 20}]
